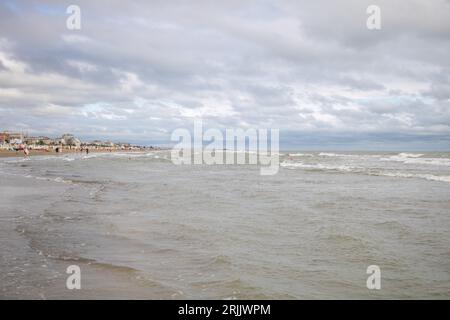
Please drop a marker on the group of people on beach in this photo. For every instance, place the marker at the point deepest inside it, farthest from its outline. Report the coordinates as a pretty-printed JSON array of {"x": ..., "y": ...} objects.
[{"x": 26, "y": 151}]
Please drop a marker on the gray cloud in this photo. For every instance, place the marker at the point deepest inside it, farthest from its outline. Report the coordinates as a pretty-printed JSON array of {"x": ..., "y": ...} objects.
[{"x": 140, "y": 69}]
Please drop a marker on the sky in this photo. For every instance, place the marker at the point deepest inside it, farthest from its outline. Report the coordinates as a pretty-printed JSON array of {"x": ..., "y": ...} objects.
[{"x": 137, "y": 70}]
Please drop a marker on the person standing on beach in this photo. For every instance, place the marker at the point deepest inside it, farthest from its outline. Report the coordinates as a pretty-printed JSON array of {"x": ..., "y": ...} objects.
[
  {"x": 26, "y": 152},
  {"x": 87, "y": 150}
]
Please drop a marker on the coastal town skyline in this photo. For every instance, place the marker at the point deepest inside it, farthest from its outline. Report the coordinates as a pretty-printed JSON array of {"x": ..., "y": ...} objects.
[{"x": 13, "y": 138}]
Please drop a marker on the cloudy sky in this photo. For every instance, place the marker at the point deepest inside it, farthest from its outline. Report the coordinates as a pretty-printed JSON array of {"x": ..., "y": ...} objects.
[{"x": 139, "y": 69}]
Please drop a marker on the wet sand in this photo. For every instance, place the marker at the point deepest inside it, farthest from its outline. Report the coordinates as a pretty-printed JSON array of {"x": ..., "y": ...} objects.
[{"x": 8, "y": 153}]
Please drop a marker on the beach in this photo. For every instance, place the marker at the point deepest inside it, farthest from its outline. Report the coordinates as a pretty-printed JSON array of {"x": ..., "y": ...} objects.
[
  {"x": 140, "y": 227},
  {"x": 8, "y": 153},
  {"x": 20, "y": 153}
]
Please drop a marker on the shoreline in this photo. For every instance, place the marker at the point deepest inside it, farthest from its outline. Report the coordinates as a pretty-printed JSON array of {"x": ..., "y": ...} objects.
[
  {"x": 20, "y": 154},
  {"x": 46, "y": 265}
]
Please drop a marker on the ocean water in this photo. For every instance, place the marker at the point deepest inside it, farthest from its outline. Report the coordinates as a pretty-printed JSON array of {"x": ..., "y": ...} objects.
[{"x": 141, "y": 227}]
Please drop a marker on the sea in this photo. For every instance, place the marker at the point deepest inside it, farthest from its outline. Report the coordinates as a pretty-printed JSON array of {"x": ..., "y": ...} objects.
[{"x": 140, "y": 227}]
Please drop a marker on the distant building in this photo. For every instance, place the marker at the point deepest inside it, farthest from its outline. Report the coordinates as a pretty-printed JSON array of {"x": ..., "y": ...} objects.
[
  {"x": 31, "y": 140},
  {"x": 4, "y": 137},
  {"x": 124, "y": 145},
  {"x": 38, "y": 141},
  {"x": 58, "y": 141},
  {"x": 46, "y": 141},
  {"x": 97, "y": 143},
  {"x": 67, "y": 136},
  {"x": 14, "y": 137},
  {"x": 74, "y": 142},
  {"x": 70, "y": 140},
  {"x": 109, "y": 144}
]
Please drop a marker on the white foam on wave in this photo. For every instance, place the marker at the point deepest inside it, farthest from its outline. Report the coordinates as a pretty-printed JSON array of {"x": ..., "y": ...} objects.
[
  {"x": 42, "y": 158},
  {"x": 430, "y": 177},
  {"x": 75, "y": 156},
  {"x": 301, "y": 155},
  {"x": 15, "y": 160},
  {"x": 29, "y": 176},
  {"x": 409, "y": 155},
  {"x": 360, "y": 170},
  {"x": 329, "y": 154},
  {"x": 57, "y": 179},
  {"x": 320, "y": 166},
  {"x": 110, "y": 155},
  {"x": 417, "y": 159},
  {"x": 343, "y": 155}
]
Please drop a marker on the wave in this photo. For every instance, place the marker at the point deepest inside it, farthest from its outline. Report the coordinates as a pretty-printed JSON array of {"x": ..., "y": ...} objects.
[
  {"x": 113, "y": 155},
  {"x": 57, "y": 179},
  {"x": 301, "y": 155},
  {"x": 430, "y": 177},
  {"x": 329, "y": 154},
  {"x": 320, "y": 166},
  {"x": 128, "y": 155},
  {"x": 343, "y": 155},
  {"x": 64, "y": 180},
  {"x": 29, "y": 176},
  {"x": 417, "y": 159},
  {"x": 42, "y": 158},
  {"x": 360, "y": 170},
  {"x": 410, "y": 155},
  {"x": 14, "y": 160}
]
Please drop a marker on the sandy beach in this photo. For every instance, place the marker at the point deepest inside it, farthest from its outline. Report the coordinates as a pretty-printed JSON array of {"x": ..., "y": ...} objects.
[{"x": 8, "y": 153}]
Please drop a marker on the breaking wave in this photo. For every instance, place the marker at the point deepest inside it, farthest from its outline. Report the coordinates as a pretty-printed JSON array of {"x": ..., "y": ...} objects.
[
  {"x": 410, "y": 155},
  {"x": 430, "y": 177},
  {"x": 417, "y": 159},
  {"x": 320, "y": 166},
  {"x": 362, "y": 170},
  {"x": 301, "y": 155}
]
